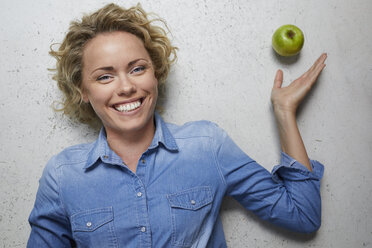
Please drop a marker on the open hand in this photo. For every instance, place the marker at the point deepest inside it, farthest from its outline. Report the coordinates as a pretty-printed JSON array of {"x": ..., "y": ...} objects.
[{"x": 287, "y": 99}]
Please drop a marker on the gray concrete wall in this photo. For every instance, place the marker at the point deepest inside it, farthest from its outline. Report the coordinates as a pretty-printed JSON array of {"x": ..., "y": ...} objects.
[{"x": 224, "y": 74}]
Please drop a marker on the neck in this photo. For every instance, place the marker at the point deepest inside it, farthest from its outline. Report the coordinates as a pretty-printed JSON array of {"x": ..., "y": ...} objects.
[{"x": 131, "y": 145}]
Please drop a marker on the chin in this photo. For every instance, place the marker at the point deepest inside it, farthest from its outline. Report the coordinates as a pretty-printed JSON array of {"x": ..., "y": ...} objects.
[{"x": 131, "y": 123}]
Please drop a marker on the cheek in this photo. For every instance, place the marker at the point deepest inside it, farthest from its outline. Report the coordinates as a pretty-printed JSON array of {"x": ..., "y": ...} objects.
[
  {"x": 98, "y": 97},
  {"x": 151, "y": 86}
]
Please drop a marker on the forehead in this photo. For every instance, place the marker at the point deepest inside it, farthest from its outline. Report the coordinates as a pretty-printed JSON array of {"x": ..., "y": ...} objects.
[{"x": 113, "y": 46}]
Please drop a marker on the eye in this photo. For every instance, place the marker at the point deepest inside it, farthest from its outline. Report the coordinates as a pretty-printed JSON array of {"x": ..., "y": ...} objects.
[
  {"x": 138, "y": 69},
  {"x": 104, "y": 78}
]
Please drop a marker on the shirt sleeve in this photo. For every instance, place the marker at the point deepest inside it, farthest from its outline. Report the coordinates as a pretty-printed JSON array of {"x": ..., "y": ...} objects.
[
  {"x": 288, "y": 197},
  {"x": 49, "y": 225}
]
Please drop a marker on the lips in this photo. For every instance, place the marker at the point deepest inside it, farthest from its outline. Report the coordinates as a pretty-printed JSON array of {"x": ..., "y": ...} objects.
[{"x": 128, "y": 106}]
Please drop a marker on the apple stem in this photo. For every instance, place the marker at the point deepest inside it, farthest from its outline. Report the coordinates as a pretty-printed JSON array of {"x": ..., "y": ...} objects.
[{"x": 291, "y": 34}]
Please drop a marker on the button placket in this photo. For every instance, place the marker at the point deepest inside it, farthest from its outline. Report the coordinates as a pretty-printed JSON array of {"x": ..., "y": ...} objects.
[{"x": 139, "y": 193}]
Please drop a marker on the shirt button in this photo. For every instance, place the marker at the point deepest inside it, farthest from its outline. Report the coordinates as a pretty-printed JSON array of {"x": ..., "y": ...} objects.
[
  {"x": 143, "y": 161},
  {"x": 193, "y": 202},
  {"x": 143, "y": 229},
  {"x": 89, "y": 224},
  {"x": 139, "y": 194},
  {"x": 106, "y": 157}
]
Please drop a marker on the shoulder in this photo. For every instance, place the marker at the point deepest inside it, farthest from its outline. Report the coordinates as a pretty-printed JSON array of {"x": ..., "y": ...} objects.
[
  {"x": 73, "y": 155},
  {"x": 192, "y": 129}
]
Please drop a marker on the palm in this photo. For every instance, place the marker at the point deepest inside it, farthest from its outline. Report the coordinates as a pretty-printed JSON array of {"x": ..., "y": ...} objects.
[{"x": 289, "y": 98}]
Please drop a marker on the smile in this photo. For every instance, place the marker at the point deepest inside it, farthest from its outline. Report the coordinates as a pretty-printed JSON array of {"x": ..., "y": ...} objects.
[{"x": 127, "y": 107}]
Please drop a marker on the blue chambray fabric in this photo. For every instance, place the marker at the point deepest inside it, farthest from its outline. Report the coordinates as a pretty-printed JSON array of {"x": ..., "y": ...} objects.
[{"x": 87, "y": 197}]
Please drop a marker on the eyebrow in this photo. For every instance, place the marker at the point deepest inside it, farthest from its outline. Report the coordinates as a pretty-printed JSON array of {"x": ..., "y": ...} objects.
[
  {"x": 135, "y": 61},
  {"x": 106, "y": 68},
  {"x": 111, "y": 68}
]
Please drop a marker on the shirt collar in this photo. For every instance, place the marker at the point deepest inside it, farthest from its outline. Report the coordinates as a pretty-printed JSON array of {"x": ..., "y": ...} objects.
[
  {"x": 163, "y": 135},
  {"x": 101, "y": 150}
]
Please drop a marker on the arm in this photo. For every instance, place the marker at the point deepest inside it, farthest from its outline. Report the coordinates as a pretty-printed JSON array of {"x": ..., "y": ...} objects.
[
  {"x": 290, "y": 196},
  {"x": 285, "y": 102},
  {"x": 49, "y": 225}
]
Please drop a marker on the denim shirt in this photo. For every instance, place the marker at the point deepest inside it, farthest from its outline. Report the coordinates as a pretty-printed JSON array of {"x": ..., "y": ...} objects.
[{"x": 87, "y": 196}]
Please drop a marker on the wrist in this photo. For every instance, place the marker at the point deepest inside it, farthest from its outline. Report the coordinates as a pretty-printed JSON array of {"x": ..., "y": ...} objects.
[{"x": 284, "y": 114}]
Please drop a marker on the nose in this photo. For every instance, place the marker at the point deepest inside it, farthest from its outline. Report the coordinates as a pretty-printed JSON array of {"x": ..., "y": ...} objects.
[{"x": 126, "y": 86}]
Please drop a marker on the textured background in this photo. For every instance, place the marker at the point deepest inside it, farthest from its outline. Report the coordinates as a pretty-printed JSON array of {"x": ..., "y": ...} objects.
[{"x": 224, "y": 74}]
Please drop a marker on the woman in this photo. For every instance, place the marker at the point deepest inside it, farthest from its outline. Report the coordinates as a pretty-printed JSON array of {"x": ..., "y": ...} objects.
[{"x": 147, "y": 183}]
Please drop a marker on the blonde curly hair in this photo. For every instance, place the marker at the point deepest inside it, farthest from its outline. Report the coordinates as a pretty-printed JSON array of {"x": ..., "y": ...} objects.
[{"x": 110, "y": 18}]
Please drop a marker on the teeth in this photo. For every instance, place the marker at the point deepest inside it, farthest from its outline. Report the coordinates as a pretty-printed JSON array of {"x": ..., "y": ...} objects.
[{"x": 128, "y": 107}]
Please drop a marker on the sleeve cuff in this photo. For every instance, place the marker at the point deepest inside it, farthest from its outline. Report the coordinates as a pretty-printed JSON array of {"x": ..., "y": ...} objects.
[{"x": 291, "y": 169}]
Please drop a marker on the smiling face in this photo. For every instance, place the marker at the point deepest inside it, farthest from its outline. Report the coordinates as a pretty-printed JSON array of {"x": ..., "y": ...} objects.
[{"x": 119, "y": 82}]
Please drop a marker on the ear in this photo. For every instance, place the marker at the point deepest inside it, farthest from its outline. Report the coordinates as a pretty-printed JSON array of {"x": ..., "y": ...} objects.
[{"x": 84, "y": 95}]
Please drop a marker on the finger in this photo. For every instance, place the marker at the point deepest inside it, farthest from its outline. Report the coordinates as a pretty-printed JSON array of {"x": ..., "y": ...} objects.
[
  {"x": 278, "y": 79},
  {"x": 319, "y": 61},
  {"x": 316, "y": 67},
  {"x": 314, "y": 76},
  {"x": 319, "y": 66}
]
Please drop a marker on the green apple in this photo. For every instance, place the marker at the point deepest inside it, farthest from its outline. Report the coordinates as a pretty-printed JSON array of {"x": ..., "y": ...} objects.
[{"x": 288, "y": 40}]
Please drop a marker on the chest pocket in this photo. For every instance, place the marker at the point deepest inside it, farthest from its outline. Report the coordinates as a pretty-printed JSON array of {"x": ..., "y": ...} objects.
[
  {"x": 94, "y": 228},
  {"x": 189, "y": 211}
]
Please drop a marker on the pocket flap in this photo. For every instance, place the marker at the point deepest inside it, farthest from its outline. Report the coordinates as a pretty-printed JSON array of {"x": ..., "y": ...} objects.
[
  {"x": 90, "y": 220},
  {"x": 191, "y": 199}
]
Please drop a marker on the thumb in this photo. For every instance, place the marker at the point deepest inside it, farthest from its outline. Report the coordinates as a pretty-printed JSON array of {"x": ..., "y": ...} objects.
[{"x": 278, "y": 79}]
